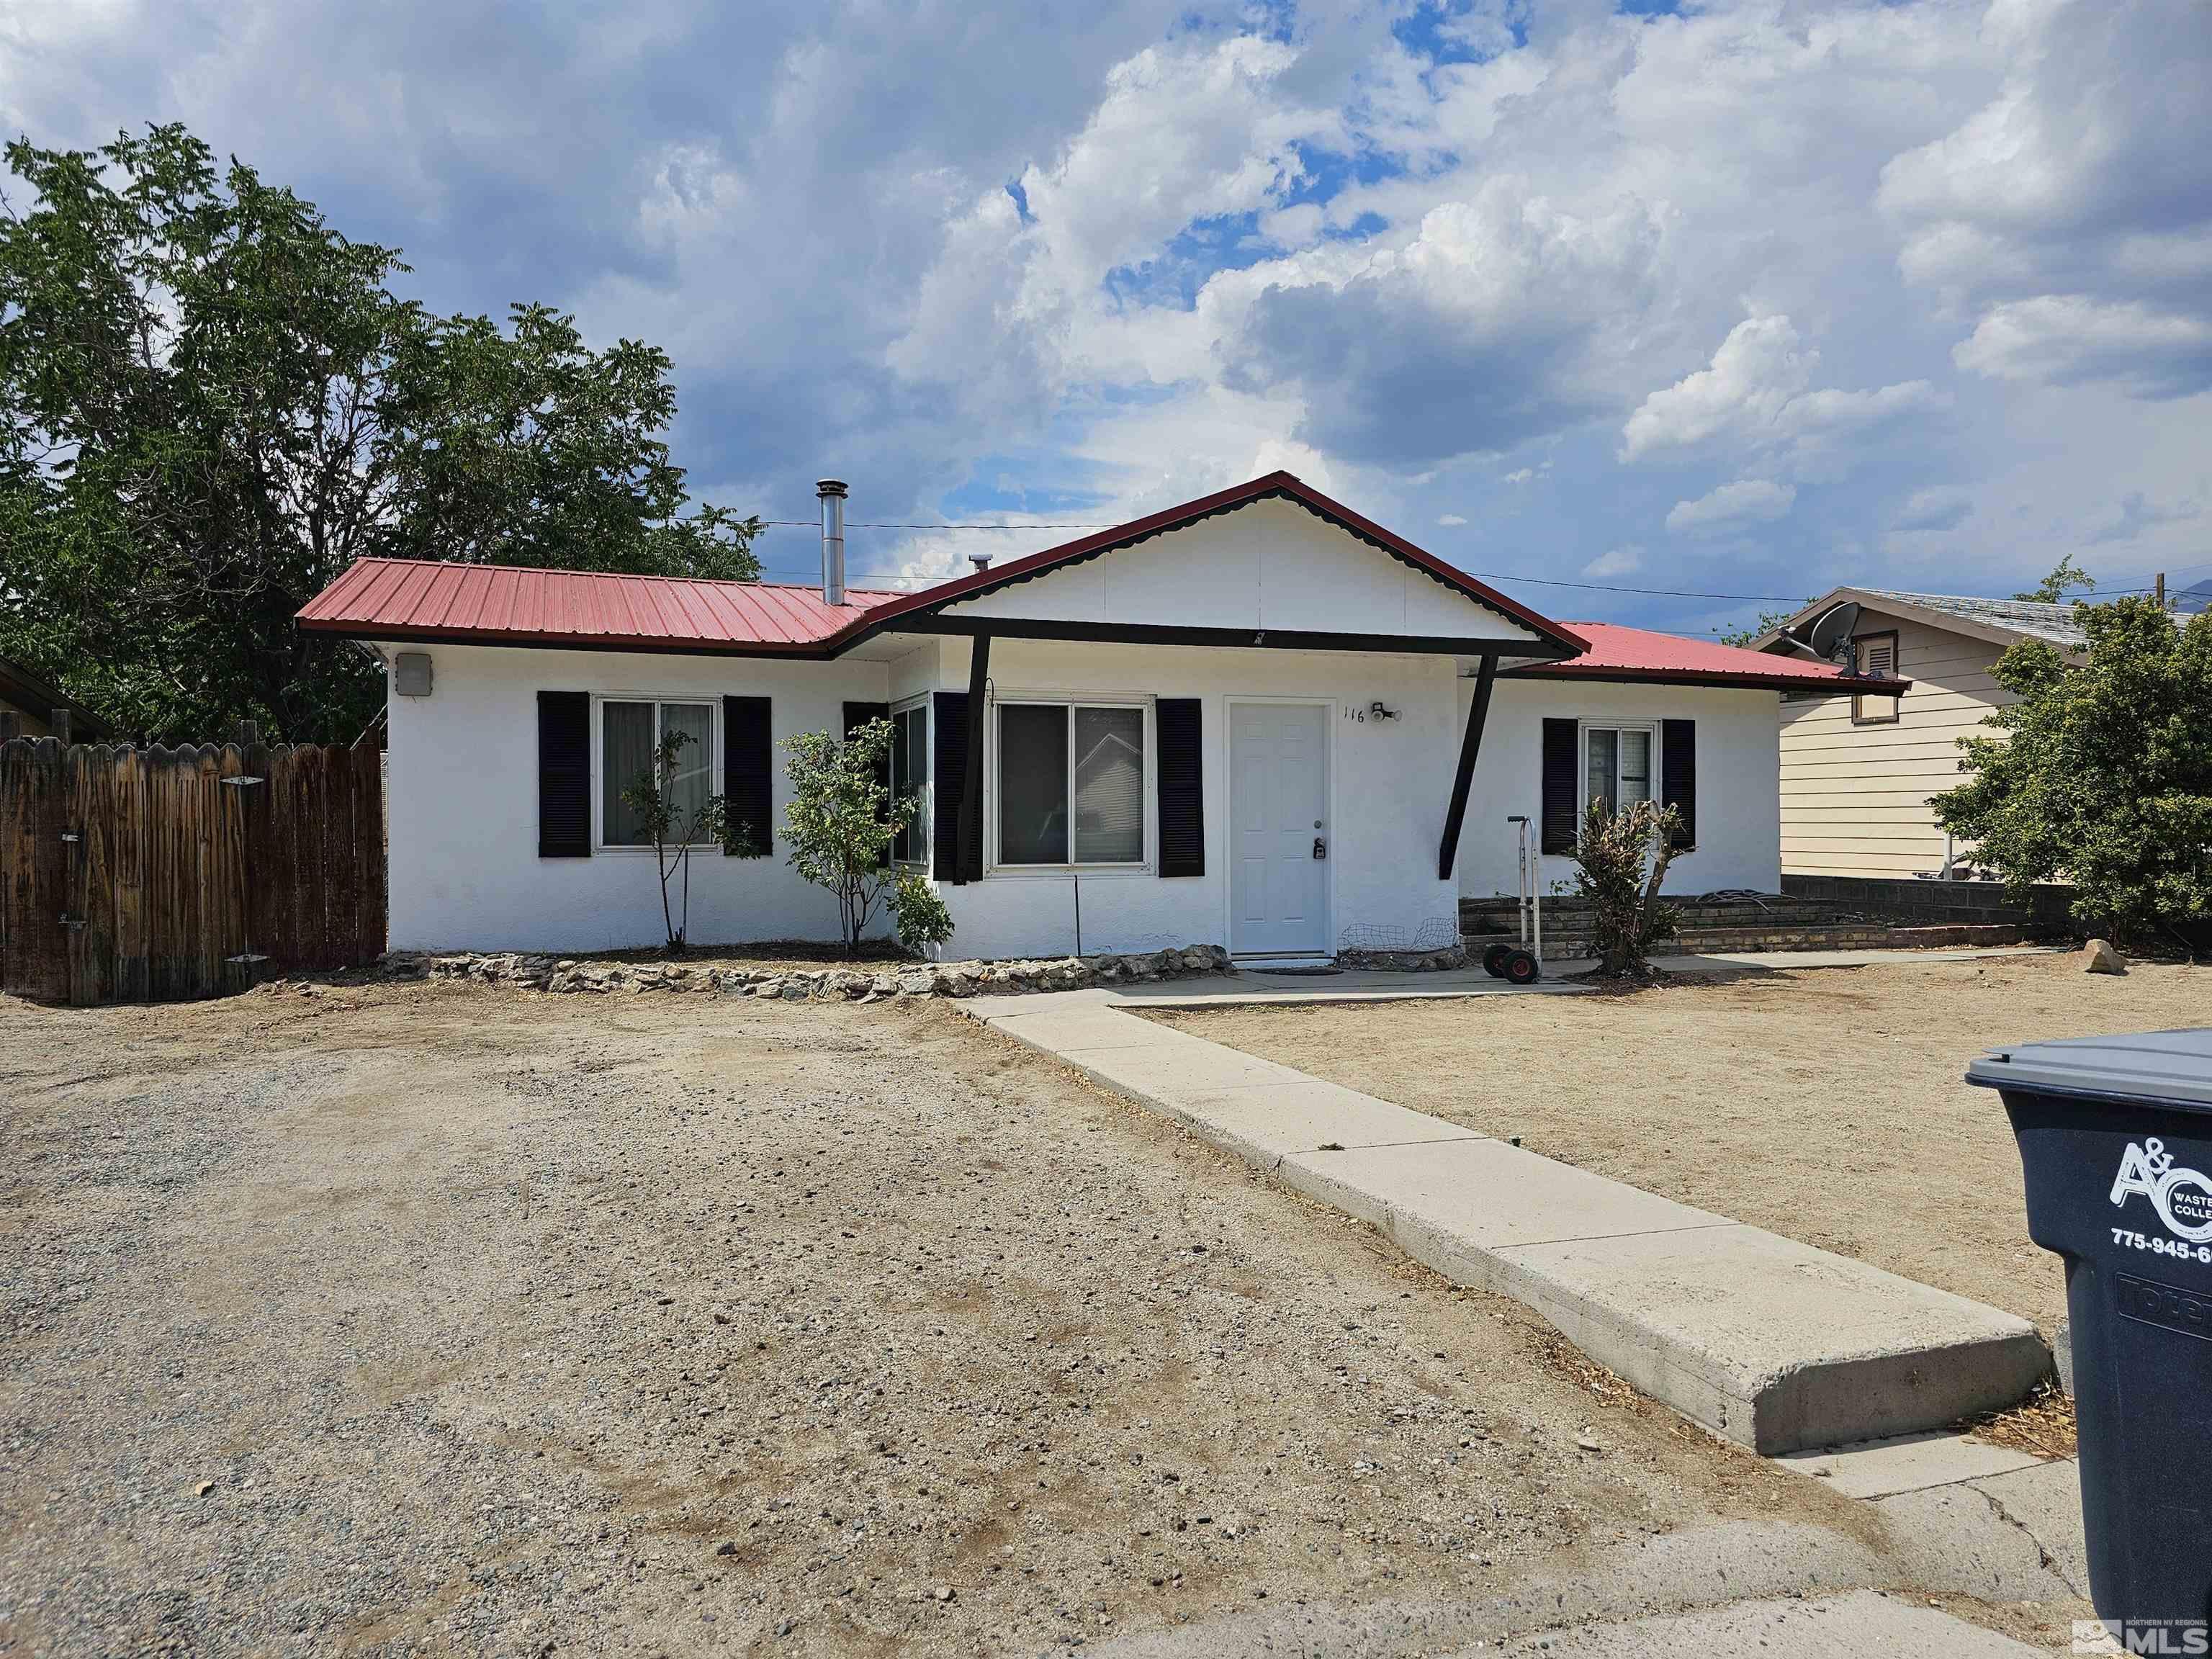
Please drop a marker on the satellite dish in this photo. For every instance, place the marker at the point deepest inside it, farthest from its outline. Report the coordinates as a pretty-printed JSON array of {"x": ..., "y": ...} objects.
[{"x": 1830, "y": 633}]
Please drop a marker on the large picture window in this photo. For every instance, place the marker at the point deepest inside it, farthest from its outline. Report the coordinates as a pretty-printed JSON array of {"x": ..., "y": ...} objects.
[
  {"x": 629, "y": 734},
  {"x": 1619, "y": 760},
  {"x": 910, "y": 780},
  {"x": 1071, "y": 783}
]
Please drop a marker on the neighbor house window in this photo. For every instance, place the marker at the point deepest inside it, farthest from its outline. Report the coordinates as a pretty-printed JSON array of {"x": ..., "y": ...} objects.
[
  {"x": 1619, "y": 759},
  {"x": 1071, "y": 783},
  {"x": 910, "y": 780},
  {"x": 630, "y": 734},
  {"x": 1875, "y": 656}
]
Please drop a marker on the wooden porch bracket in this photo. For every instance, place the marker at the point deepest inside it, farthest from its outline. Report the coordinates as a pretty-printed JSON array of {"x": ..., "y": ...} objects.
[
  {"x": 1470, "y": 745},
  {"x": 970, "y": 865}
]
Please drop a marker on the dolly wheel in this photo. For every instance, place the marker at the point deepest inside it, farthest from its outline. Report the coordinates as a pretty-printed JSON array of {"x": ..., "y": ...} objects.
[
  {"x": 1493, "y": 960},
  {"x": 1521, "y": 968}
]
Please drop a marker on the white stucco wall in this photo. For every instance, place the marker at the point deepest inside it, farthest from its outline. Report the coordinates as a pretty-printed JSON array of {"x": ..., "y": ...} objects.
[
  {"x": 1390, "y": 782},
  {"x": 462, "y": 805},
  {"x": 1738, "y": 770},
  {"x": 466, "y": 873}
]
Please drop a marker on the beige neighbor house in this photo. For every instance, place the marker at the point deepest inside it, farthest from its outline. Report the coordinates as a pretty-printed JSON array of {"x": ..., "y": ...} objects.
[{"x": 1856, "y": 772}]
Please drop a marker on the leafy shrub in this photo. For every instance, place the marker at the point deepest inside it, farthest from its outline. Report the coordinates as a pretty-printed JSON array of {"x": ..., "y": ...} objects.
[
  {"x": 841, "y": 821},
  {"x": 1620, "y": 862},
  {"x": 919, "y": 913}
]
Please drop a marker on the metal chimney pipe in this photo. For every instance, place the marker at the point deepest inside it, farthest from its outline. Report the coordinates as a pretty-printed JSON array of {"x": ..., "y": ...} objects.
[
  {"x": 832, "y": 494},
  {"x": 981, "y": 561}
]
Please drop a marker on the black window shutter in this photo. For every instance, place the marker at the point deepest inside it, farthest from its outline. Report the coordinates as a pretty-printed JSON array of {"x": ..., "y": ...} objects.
[
  {"x": 1182, "y": 788},
  {"x": 948, "y": 768},
  {"x": 1562, "y": 798},
  {"x": 1678, "y": 775},
  {"x": 858, "y": 714},
  {"x": 749, "y": 776},
  {"x": 564, "y": 775}
]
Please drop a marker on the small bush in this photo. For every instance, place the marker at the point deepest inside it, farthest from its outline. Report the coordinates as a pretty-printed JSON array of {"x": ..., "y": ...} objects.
[
  {"x": 919, "y": 913},
  {"x": 1620, "y": 863}
]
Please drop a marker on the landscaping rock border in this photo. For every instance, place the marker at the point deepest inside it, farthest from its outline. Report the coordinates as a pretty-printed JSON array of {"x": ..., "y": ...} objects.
[
  {"x": 568, "y": 975},
  {"x": 1452, "y": 957}
]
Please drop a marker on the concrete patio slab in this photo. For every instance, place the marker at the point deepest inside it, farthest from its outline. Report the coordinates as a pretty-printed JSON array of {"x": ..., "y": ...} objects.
[
  {"x": 1882, "y": 1468},
  {"x": 1767, "y": 1341}
]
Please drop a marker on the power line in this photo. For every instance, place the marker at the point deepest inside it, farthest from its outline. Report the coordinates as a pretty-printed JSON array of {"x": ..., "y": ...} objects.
[{"x": 866, "y": 523}]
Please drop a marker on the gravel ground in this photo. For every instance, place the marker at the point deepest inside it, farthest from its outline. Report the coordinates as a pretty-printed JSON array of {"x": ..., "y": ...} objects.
[
  {"x": 1825, "y": 1104},
  {"x": 448, "y": 1318}
]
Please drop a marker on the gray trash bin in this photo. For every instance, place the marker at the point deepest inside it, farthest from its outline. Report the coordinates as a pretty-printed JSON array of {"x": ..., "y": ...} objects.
[{"x": 2115, "y": 1139}]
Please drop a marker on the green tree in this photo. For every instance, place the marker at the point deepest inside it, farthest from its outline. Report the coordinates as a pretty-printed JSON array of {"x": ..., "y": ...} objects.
[
  {"x": 1767, "y": 620},
  {"x": 2102, "y": 773},
  {"x": 841, "y": 822},
  {"x": 672, "y": 831},
  {"x": 2051, "y": 590},
  {"x": 211, "y": 402}
]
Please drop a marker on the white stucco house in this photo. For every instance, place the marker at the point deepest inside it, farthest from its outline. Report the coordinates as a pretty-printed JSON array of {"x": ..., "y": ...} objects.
[{"x": 1257, "y": 718}]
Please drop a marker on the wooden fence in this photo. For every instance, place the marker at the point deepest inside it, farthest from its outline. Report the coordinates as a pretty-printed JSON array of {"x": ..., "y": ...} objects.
[{"x": 136, "y": 875}]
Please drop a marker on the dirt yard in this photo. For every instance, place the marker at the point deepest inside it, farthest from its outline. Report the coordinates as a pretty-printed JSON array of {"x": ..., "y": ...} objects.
[
  {"x": 1825, "y": 1104},
  {"x": 445, "y": 1318}
]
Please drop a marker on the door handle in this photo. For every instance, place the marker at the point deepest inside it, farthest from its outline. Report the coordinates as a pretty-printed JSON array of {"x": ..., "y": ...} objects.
[{"x": 1321, "y": 847}]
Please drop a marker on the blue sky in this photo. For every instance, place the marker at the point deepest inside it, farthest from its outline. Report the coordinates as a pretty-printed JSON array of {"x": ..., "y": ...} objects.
[{"x": 1744, "y": 298}]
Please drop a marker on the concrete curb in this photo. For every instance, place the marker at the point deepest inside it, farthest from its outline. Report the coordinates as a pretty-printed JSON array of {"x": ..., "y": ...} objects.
[{"x": 1768, "y": 1342}]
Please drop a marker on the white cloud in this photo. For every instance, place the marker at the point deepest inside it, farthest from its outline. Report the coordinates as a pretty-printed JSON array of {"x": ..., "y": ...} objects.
[
  {"x": 1938, "y": 507},
  {"x": 1500, "y": 318},
  {"x": 1757, "y": 370},
  {"x": 2080, "y": 193},
  {"x": 1620, "y": 562},
  {"x": 1747, "y": 500},
  {"x": 2138, "y": 513},
  {"x": 2066, "y": 338},
  {"x": 1450, "y": 520},
  {"x": 1754, "y": 398},
  {"x": 1749, "y": 247}
]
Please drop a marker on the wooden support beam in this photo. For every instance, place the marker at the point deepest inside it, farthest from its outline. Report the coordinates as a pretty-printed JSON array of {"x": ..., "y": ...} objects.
[
  {"x": 971, "y": 786},
  {"x": 1470, "y": 745}
]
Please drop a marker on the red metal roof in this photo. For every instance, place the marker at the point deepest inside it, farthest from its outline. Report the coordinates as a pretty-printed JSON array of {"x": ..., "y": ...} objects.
[
  {"x": 1638, "y": 654},
  {"x": 405, "y": 599},
  {"x": 413, "y": 599}
]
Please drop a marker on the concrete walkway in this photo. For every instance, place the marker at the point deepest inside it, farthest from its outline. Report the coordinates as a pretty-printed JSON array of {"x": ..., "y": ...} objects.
[
  {"x": 1379, "y": 985},
  {"x": 1771, "y": 1343}
]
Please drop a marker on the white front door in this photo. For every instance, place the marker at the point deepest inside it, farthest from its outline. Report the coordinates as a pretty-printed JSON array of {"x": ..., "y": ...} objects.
[{"x": 1279, "y": 815}]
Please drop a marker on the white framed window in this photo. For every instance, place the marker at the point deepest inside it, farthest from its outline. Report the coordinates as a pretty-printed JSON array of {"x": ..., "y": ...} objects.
[
  {"x": 1620, "y": 764},
  {"x": 631, "y": 732},
  {"x": 1072, "y": 784},
  {"x": 910, "y": 779}
]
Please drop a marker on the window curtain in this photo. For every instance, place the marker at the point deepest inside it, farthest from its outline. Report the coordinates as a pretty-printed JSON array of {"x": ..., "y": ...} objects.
[
  {"x": 694, "y": 780},
  {"x": 627, "y": 756}
]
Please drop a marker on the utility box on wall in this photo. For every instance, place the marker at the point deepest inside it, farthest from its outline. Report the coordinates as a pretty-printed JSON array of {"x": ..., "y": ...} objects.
[{"x": 410, "y": 674}]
